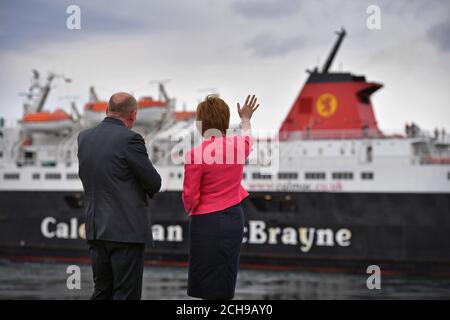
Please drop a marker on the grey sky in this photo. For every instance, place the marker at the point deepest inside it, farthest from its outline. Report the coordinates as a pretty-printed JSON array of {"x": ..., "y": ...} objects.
[{"x": 238, "y": 47}]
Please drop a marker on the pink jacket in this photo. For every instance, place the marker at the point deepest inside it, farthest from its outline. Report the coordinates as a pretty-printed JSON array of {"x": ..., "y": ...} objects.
[{"x": 213, "y": 174}]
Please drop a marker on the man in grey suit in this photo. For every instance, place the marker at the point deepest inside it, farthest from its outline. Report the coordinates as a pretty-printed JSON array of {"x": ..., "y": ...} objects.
[{"x": 117, "y": 178}]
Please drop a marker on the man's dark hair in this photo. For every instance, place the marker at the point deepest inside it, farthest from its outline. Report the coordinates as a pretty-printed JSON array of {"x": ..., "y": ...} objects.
[{"x": 122, "y": 104}]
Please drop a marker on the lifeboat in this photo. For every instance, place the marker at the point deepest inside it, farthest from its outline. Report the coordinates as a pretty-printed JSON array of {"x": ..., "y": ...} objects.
[
  {"x": 45, "y": 121},
  {"x": 184, "y": 115},
  {"x": 150, "y": 111},
  {"x": 94, "y": 112}
]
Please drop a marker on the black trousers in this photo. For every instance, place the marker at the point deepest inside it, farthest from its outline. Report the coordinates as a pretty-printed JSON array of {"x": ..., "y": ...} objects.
[
  {"x": 117, "y": 269},
  {"x": 214, "y": 248}
]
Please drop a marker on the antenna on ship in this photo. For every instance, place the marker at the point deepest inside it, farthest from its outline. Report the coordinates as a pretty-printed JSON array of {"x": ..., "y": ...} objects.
[{"x": 341, "y": 34}]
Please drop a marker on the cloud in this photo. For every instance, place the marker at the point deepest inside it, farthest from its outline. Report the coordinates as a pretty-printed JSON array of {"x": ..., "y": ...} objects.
[
  {"x": 266, "y": 46},
  {"x": 25, "y": 24},
  {"x": 439, "y": 34},
  {"x": 266, "y": 8},
  {"x": 414, "y": 7}
]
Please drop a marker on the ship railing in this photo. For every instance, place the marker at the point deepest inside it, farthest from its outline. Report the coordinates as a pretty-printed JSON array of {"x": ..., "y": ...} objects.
[
  {"x": 442, "y": 138},
  {"x": 310, "y": 134},
  {"x": 445, "y": 160}
]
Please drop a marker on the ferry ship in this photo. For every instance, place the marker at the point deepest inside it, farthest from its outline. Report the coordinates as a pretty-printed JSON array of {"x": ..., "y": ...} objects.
[{"x": 329, "y": 192}]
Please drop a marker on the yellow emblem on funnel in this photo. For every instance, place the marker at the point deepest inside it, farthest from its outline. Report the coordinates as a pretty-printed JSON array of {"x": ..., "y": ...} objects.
[{"x": 326, "y": 105}]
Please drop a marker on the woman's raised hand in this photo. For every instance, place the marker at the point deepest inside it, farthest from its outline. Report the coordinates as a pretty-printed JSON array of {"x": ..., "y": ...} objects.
[{"x": 249, "y": 107}]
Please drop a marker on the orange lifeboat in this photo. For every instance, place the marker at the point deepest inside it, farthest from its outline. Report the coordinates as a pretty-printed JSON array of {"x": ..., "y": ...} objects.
[
  {"x": 184, "y": 115},
  {"x": 94, "y": 112},
  {"x": 148, "y": 102},
  {"x": 45, "y": 121},
  {"x": 150, "y": 111}
]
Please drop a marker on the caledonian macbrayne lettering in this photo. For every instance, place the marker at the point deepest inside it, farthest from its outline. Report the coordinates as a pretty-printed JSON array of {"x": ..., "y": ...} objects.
[{"x": 256, "y": 232}]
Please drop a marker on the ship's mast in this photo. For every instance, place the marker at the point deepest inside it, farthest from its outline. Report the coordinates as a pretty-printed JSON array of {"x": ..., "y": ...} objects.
[{"x": 341, "y": 34}]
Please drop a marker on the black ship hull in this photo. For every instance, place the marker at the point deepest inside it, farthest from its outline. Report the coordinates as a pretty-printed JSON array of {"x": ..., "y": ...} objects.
[{"x": 321, "y": 231}]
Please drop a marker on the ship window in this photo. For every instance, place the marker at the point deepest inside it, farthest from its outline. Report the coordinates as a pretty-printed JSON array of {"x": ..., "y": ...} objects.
[
  {"x": 342, "y": 175},
  {"x": 287, "y": 175},
  {"x": 305, "y": 106},
  {"x": 369, "y": 154},
  {"x": 180, "y": 175},
  {"x": 274, "y": 203},
  {"x": 72, "y": 176},
  {"x": 52, "y": 176},
  {"x": 29, "y": 155},
  {"x": 448, "y": 175},
  {"x": 314, "y": 175},
  {"x": 36, "y": 176},
  {"x": 11, "y": 176},
  {"x": 367, "y": 175},
  {"x": 260, "y": 176},
  {"x": 1, "y": 154},
  {"x": 49, "y": 164},
  {"x": 172, "y": 175},
  {"x": 244, "y": 176}
]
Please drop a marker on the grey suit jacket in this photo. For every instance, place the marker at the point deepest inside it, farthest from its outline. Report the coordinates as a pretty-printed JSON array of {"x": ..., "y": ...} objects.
[{"x": 117, "y": 177}]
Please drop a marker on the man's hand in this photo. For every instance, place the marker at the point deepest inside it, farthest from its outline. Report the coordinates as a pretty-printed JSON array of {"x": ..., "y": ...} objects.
[{"x": 249, "y": 107}]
